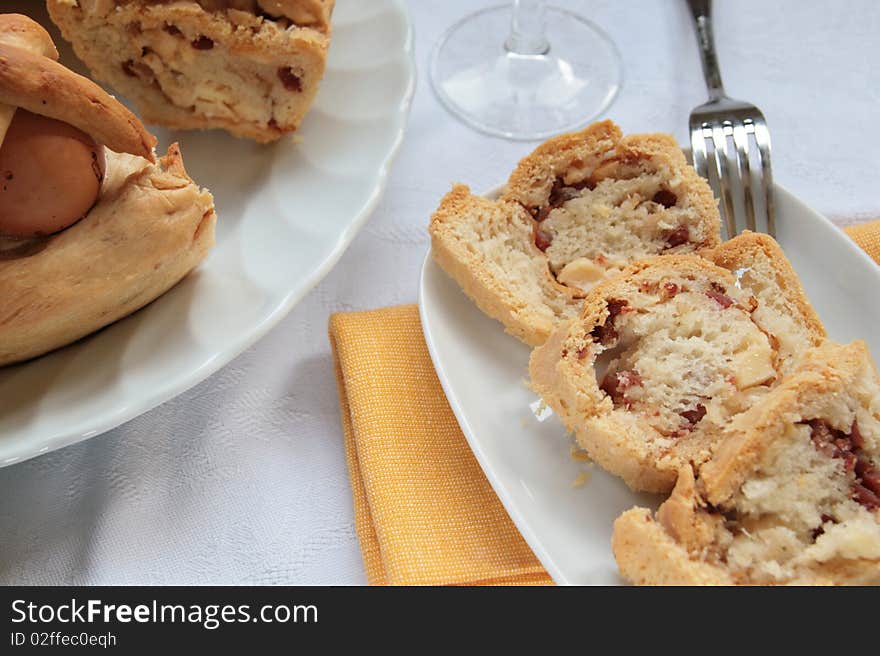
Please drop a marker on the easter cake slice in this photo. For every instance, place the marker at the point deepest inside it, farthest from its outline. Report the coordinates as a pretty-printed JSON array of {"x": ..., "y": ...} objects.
[
  {"x": 665, "y": 354},
  {"x": 576, "y": 211},
  {"x": 791, "y": 497},
  {"x": 251, "y": 68}
]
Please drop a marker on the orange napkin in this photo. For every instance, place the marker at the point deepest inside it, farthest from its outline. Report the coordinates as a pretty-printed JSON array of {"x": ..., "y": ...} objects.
[
  {"x": 867, "y": 235},
  {"x": 424, "y": 511}
]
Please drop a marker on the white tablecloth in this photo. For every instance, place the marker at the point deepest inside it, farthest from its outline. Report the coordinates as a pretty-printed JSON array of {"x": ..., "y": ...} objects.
[{"x": 242, "y": 480}]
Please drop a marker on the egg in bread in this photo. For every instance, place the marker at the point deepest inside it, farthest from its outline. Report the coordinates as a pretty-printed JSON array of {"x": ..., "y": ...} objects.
[{"x": 92, "y": 225}]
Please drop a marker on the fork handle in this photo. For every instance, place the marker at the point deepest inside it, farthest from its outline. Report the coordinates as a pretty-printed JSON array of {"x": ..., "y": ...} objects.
[{"x": 701, "y": 12}]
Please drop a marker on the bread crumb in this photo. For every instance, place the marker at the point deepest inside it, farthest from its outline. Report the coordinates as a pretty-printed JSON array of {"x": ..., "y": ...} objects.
[
  {"x": 578, "y": 454},
  {"x": 582, "y": 479}
]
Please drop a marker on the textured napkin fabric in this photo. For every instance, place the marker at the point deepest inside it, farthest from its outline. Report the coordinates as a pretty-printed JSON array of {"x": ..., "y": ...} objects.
[
  {"x": 424, "y": 511},
  {"x": 867, "y": 235}
]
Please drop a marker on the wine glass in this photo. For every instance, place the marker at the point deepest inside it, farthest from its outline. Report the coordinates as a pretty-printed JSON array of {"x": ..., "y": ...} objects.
[{"x": 525, "y": 70}]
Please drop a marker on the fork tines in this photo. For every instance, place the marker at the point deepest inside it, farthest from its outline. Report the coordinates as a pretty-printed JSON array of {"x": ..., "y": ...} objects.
[{"x": 724, "y": 135}]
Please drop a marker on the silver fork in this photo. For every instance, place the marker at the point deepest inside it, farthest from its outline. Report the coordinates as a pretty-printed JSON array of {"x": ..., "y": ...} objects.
[{"x": 720, "y": 120}]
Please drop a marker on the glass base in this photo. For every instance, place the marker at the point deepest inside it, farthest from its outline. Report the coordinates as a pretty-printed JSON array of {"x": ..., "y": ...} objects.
[{"x": 525, "y": 96}]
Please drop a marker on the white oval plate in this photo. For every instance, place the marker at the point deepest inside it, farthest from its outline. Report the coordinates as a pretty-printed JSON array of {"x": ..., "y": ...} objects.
[
  {"x": 483, "y": 372},
  {"x": 285, "y": 212}
]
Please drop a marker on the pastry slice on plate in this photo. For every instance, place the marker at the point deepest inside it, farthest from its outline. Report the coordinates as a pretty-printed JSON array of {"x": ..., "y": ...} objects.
[
  {"x": 249, "y": 67},
  {"x": 664, "y": 355},
  {"x": 791, "y": 497},
  {"x": 784, "y": 312},
  {"x": 577, "y": 210},
  {"x": 92, "y": 225}
]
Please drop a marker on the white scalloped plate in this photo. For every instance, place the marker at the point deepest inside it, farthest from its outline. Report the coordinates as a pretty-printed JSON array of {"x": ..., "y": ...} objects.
[
  {"x": 528, "y": 462},
  {"x": 286, "y": 213}
]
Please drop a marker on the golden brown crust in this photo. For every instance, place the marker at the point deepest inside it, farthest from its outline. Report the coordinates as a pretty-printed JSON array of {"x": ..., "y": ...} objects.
[
  {"x": 150, "y": 227},
  {"x": 647, "y": 555},
  {"x": 43, "y": 86},
  {"x": 563, "y": 370},
  {"x": 690, "y": 540},
  {"x": 304, "y": 13},
  {"x": 747, "y": 247},
  {"x": 466, "y": 266},
  {"x": 572, "y": 154},
  {"x": 649, "y": 552},
  {"x": 830, "y": 369},
  {"x": 532, "y": 289},
  {"x": 567, "y": 382},
  {"x": 186, "y": 67},
  {"x": 25, "y": 33},
  {"x": 682, "y": 517},
  {"x": 311, "y": 13}
]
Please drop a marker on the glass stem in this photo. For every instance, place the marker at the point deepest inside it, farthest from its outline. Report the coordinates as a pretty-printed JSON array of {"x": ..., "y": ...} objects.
[{"x": 527, "y": 28}]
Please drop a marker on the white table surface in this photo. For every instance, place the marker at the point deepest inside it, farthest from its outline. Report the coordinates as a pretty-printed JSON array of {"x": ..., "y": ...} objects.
[{"x": 242, "y": 480}]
